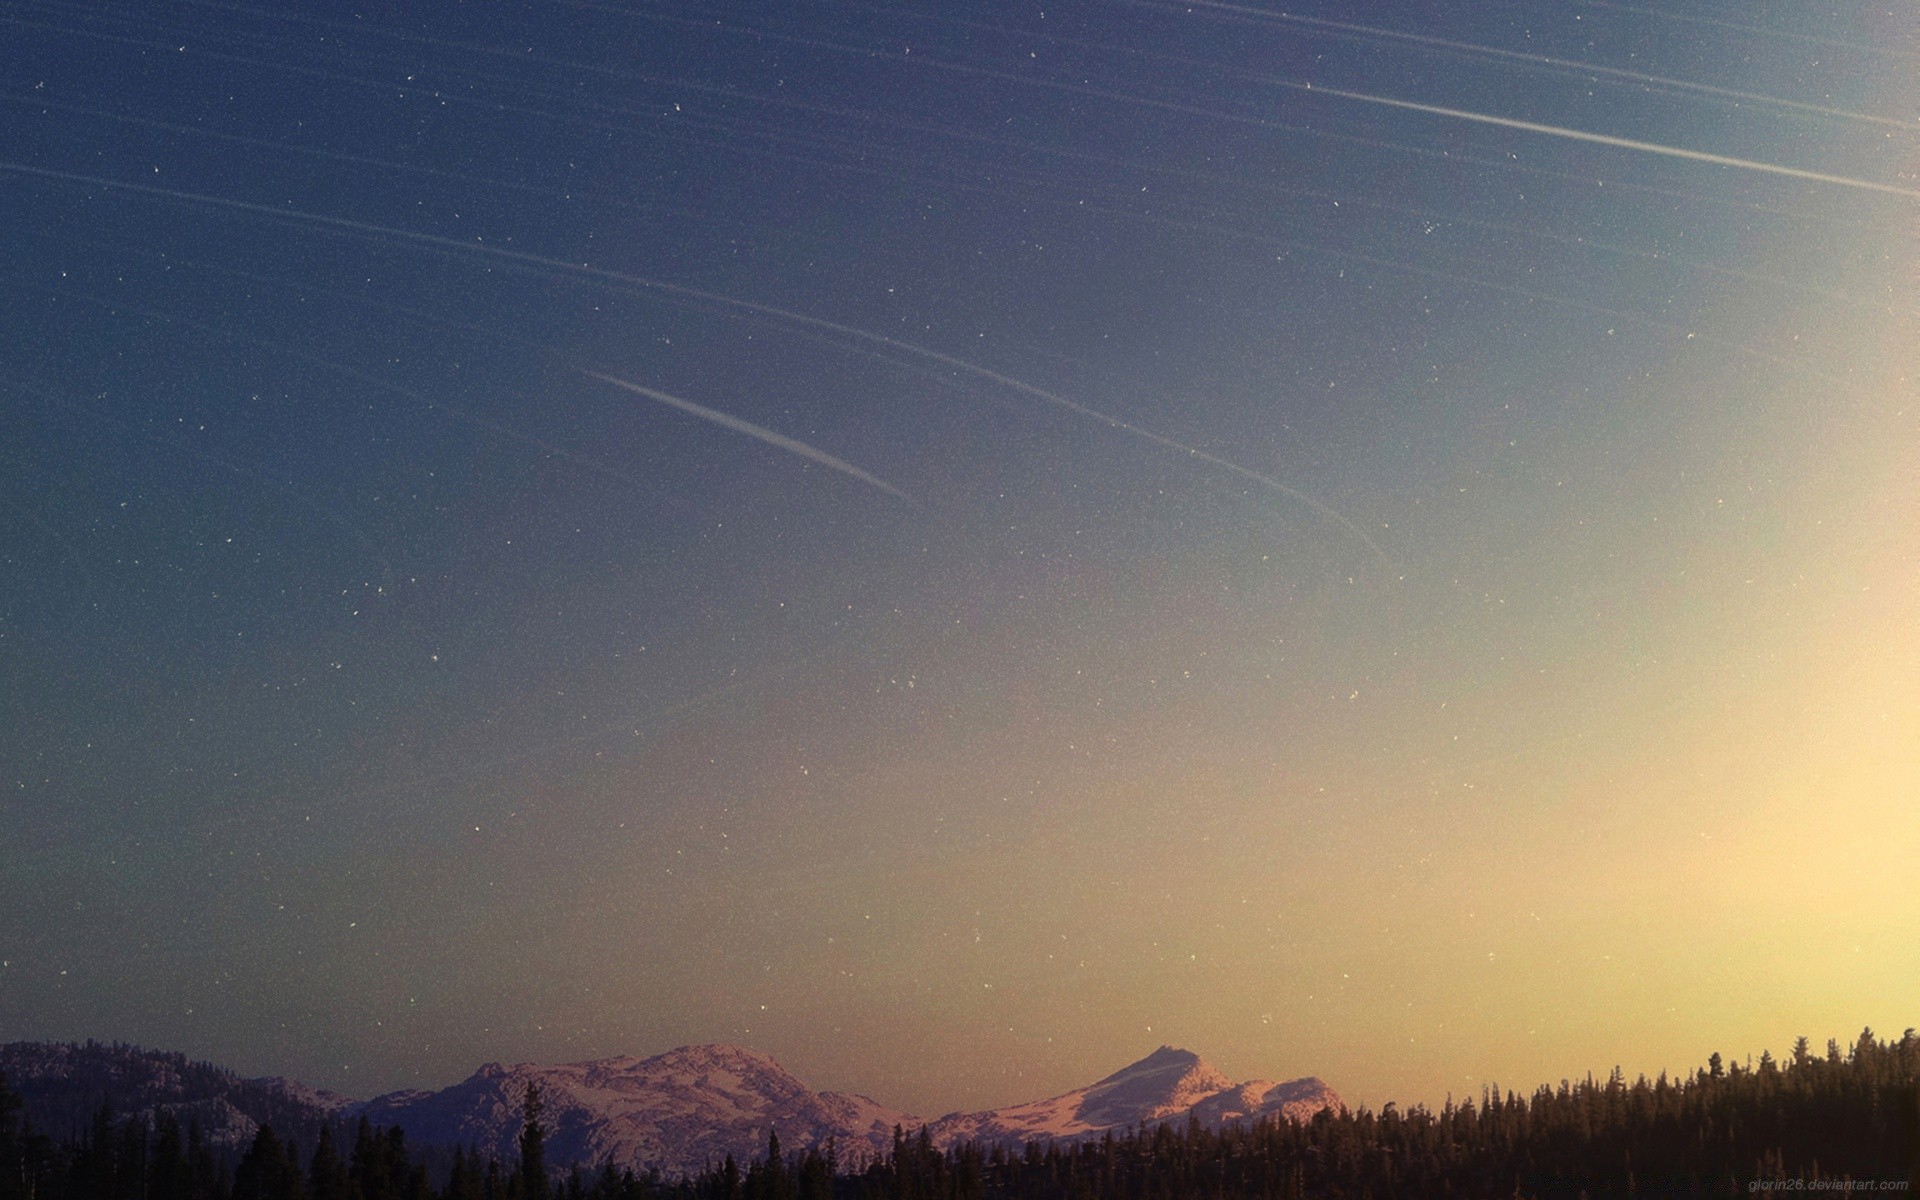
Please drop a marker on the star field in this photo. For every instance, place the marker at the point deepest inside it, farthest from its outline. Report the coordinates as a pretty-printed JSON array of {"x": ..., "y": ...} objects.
[{"x": 955, "y": 549}]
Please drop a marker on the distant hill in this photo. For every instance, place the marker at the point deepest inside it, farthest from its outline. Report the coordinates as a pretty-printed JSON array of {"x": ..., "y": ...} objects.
[{"x": 65, "y": 1084}]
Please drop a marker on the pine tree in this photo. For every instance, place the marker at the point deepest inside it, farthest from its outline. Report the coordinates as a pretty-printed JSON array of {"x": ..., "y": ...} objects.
[
  {"x": 327, "y": 1173},
  {"x": 203, "y": 1173},
  {"x": 777, "y": 1187},
  {"x": 13, "y": 1145},
  {"x": 168, "y": 1175},
  {"x": 90, "y": 1164},
  {"x": 368, "y": 1170},
  {"x": 465, "y": 1181},
  {"x": 130, "y": 1160},
  {"x": 1802, "y": 1051},
  {"x": 267, "y": 1172},
  {"x": 532, "y": 1179}
]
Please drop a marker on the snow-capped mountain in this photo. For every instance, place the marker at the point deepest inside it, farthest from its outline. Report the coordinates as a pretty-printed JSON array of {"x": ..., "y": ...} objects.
[
  {"x": 1166, "y": 1086},
  {"x": 676, "y": 1111},
  {"x": 681, "y": 1110}
]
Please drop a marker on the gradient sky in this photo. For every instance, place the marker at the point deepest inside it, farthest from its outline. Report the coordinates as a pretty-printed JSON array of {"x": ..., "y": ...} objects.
[{"x": 954, "y": 551}]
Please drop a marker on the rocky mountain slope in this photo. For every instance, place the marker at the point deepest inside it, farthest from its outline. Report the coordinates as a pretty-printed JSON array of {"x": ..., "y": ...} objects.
[
  {"x": 1166, "y": 1086},
  {"x": 675, "y": 1111}
]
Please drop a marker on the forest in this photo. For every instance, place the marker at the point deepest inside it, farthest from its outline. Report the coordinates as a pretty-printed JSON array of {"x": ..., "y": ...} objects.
[{"x": 1836, "y": 1121}]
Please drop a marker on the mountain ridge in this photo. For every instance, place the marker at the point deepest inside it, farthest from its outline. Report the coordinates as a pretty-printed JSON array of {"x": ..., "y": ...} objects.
[
  {"x": 676, "y": 1112},
  {"x": 1171, "y": 1084}
]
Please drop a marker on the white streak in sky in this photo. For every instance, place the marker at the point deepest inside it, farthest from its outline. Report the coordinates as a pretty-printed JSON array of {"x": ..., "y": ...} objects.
[
  {"x": 1546, "y": 60},
  {"x": 677, "y": 289},
  {"x": 1603, "y": 139},
  {"x": 756, "y": 431},
  {"x": 1760, "y": 30}
]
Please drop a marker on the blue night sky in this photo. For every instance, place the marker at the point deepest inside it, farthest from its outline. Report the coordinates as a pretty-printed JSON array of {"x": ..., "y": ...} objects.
[{"x": 954, "y": 546}]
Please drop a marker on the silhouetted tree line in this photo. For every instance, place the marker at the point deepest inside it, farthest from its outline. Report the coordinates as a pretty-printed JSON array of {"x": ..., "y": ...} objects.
[
  {"x": 1721, "y": 1131},
  {"x": 141, "y": 1158}
]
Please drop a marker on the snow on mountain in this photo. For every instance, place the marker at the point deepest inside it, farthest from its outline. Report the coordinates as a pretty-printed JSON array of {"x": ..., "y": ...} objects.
[
  {"x": 318, "y": 1099},
  {"x": 675, "y": 1111},
  {"x": 1165, "y": 1086},
  {"x": 1260, "y": 1099}
]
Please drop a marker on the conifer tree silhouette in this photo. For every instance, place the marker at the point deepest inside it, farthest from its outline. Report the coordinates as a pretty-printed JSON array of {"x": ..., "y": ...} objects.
[{"x": 533, "y": 1147}]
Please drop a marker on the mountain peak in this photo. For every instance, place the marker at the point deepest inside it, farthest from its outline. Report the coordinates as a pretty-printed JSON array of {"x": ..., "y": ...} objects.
[
  {"x": 1169, "y": 1084},
  {"x": 1164, "y": 1084},
  {"x": 675, "y": 1111},
  {"x": 1164, "y": 1060},
  {"x": 718, "y": 1053}
]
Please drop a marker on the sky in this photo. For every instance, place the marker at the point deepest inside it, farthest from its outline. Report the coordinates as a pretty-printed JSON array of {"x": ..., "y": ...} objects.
[{"x": 955, "y": 547}]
